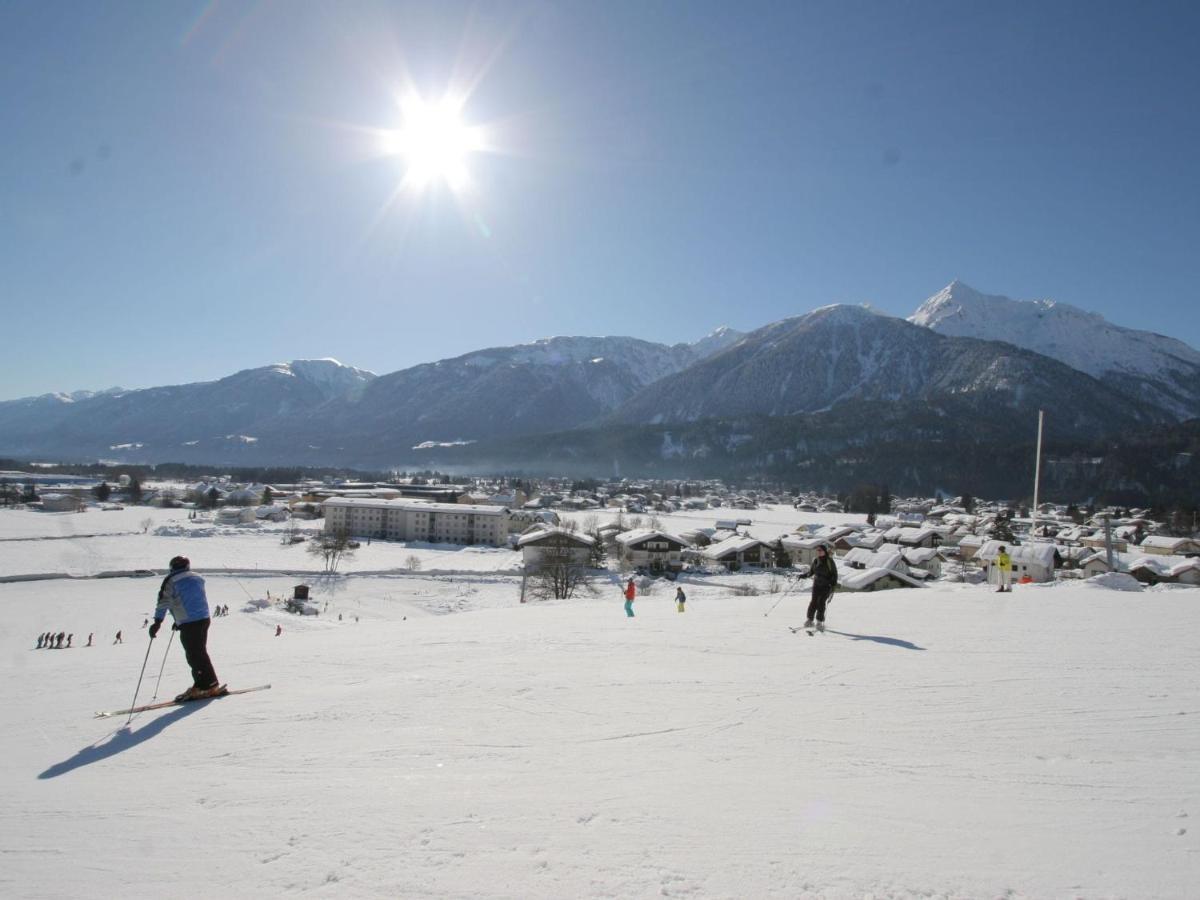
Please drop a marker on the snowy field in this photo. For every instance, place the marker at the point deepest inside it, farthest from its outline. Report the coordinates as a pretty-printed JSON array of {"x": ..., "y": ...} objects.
[
  {"x": 96, "y": 541},
  {"x": 428, "y": 736}
]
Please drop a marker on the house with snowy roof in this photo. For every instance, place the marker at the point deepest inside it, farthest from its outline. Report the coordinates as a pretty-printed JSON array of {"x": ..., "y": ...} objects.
[
  {"x": 652, "y": 549},
  {"x": 1186, "y": 572},
  {"x": 1160, "y": 545},
  {"x": 1150, "y": 570},
  {"x": 739, "y": 550},
  {"x": 1036, "y": 562},
  {"x": 866, "y": 580},
  {"x": 61, "y": 503},
  {"x": 1096, "y": 542},
  {"x": 922, "y": 536},
  {"x": 558, "y": 545},
  {"x": 1096, "y": 563},
  {"x": 969, "y": 545},
  {"x": 926, "y": 559},
  {"x": 886, "y": 557},
  {"x": 801, "y": 551}
]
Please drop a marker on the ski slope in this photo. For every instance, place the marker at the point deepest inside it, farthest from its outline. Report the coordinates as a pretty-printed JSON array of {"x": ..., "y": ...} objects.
[{"x": 442, "y": 740}]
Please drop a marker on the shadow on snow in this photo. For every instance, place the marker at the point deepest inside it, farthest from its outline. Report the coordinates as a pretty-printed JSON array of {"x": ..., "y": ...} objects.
[
  {"x": 121, "y": 740},
  {"x": 894, "y": 642}
]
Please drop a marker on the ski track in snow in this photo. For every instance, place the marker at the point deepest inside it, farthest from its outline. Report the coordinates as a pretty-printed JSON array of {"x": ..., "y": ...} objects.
[{"x": 1042, "y": 744}]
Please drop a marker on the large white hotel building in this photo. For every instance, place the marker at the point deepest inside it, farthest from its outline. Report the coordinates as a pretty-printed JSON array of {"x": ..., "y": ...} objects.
[{"x": 417, "y": 520}]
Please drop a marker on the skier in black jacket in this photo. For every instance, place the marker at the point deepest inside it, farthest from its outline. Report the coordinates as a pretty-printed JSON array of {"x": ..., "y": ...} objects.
[{"x": 825, "y": 577}]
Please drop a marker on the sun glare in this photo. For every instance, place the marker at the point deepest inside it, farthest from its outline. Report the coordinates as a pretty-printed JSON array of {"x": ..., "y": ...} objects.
[{"x": 434, "y": 143}]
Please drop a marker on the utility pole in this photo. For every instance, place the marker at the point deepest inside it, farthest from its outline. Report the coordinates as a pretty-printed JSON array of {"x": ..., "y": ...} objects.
[
  {"x": 1037, "y": 476},
  {"x": 1108, "y": 547}
]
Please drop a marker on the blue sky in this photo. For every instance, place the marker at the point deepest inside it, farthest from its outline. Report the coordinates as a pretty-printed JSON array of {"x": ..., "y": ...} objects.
[{"x": 193, "y": 188}]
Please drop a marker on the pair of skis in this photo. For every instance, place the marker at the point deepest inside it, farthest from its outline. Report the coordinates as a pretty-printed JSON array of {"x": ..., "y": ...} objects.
[
  {"x": 811, "y": 629},
  {"x": 165, "y": 703}
]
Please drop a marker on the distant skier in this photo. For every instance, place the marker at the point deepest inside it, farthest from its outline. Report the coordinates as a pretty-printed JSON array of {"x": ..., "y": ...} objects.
[
  {"x": 59, "y": 642},
  {"x": 89, "y": 643},
  {"x": 41, "y": 641},
  {"x": 69, "y": 637},
  {"x": 825, "y": 577},
  {"x": 182, "y": 592},
  {"x": 1003, "y": 566},
  {"x": 680, "y": 598},
  {"x": 278, "y": 630},
  {"x": 630, "y": 593},
  {"x": 118, "y": 640}
]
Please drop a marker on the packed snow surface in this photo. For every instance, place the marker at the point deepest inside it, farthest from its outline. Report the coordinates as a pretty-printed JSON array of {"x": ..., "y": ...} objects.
[{"x": 432, "y": 737}]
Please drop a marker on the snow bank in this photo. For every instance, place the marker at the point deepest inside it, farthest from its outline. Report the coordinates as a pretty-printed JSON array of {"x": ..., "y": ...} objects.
[{"x": 1115, "y": 581}]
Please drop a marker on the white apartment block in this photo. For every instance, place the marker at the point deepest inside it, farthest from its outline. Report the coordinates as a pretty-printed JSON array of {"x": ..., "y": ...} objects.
[{"x": 417, "y": 520}]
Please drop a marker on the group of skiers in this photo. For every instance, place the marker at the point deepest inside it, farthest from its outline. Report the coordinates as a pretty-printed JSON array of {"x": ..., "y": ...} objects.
[
  {"x": 824, "y": 576},
  {"x": 51, "y": 641}
]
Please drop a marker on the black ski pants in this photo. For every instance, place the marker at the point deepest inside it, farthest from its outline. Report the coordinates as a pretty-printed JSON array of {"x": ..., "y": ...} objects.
[
  {"x": 194, "y": 637},
  {"x": 820, "y": 596}
]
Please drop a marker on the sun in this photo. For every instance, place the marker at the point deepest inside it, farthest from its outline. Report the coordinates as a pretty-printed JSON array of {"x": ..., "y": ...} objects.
[{"x": 434, "y": 143}]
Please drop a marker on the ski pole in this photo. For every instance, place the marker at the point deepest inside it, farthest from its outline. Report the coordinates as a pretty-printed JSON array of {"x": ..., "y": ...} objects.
[
  {"x": 781, "y": 596},
  {"x": 164, "y": 664},
  {"x": 139, "y": 684}
]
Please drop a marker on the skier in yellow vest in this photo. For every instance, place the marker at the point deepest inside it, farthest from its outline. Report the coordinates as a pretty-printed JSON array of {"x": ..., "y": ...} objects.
[{"x": 1003, "y": 571}]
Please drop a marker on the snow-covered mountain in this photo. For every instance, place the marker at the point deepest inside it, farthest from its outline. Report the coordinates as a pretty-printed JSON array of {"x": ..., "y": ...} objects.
[
  {"x": 549, "y": 384},
  {"x": 164, "y": 421},
  {"x": 1158, "y": 369},
  {"x": 838, "y": 353}
]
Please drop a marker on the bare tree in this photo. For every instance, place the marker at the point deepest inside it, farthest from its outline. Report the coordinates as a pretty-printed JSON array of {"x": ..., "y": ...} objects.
[
  {"x": 332, "y": 548},
  {"x": 559, "y": 573},
  {"x": 412, "y": 563}
]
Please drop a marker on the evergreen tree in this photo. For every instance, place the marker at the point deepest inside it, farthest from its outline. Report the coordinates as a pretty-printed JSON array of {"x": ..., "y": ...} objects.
[
  {"x": 268, "y": 496},
  {"x": 102, "y": 492},
  {"x": 133, "y": 490}
]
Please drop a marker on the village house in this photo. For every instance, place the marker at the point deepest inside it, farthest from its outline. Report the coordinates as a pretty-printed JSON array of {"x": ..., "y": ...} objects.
[
  {"x": 739, "y": 550},
  {"x": 866, "y": 580},
  {"x": 61, "y": 503},
  {"x": 969, "y": 545},
  {"x": 1096, "y": 542},
  {"x": 235, "y": 515},
  {"x": 1033, "y": 561},
  {"x": 1170, "y": 546},
  {"x": 1155, "y": 570},
  {"x": 556, "y": 545},
  {"x": 927, "y": 559},
  {"x": 886, "y": 557},
  {"x": 801, "y": 551},
  {"x": 1149, "y": 570},
  {"x": 1186, "y": 572},
  {"x": 871, "y": 539},
  {"x": 1094, "y": 564},
  {"x": 651, "y": 549}
]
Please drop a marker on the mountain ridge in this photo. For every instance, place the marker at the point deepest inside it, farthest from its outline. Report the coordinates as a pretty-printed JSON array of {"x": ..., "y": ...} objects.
[{"x": 1155, "y": 368}]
